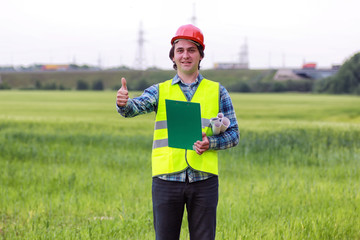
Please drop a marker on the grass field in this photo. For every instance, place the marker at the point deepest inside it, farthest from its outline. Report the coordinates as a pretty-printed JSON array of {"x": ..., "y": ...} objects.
[{"x": 72, "y": 168}]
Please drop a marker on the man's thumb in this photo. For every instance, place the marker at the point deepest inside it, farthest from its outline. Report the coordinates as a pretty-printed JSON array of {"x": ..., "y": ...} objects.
[
  {"x": 203, "y": 134},
  {"x": 123, "y": 84}
]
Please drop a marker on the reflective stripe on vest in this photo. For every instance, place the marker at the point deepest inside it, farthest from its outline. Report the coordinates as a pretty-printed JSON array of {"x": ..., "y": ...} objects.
[
  {"x": 205, "y": 123},
  {"x": 166, "y": 160}
]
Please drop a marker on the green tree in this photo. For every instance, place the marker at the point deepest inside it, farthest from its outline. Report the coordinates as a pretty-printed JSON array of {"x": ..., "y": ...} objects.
[
  {"x": 62, "y": 87},
  {"x": 50, "y": 86},
  {"x": 82, "y": 85},
  {"x": 305, "y": 85},
  {"x": 239, "y": 87},
  {"x": 346, "y": 80},
  {"x": 38, "y": 84},
  {"x": 4, "y": 86},
  {"x": 142, "y": 84},
  {"x": 98, "y": 85},
  {"x": 278, "y": 87}
]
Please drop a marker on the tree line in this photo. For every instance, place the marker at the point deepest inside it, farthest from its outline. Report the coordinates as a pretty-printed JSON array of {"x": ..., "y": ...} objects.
[{"x": 345, "y": 81}]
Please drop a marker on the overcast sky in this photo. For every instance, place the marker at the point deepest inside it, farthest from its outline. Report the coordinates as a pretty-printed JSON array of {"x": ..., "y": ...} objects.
[{"x": 278, "y": 32}]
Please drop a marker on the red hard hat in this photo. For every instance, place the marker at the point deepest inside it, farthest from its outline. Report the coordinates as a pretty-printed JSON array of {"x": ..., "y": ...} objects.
[{"x": 189, "y": 32}]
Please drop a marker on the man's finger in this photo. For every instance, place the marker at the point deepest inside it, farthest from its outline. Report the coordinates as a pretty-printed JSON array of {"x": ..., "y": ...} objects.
[
  {"x": 122, "y": 94},
  {"x": 123, "y": 84},
  {"x": 203, "y": 135},
  {"x": 201, "y": 146}
]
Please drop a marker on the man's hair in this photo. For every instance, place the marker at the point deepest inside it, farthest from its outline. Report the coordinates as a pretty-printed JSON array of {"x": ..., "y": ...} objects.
[{"x": 172, "y": 54}]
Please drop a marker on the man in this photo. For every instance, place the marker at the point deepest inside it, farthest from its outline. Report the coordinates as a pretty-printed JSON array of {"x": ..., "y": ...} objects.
[{"x": 184, "y": 177}]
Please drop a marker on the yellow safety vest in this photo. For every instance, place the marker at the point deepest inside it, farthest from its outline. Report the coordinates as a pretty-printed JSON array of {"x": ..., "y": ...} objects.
[{"x": 167, "y": 160}]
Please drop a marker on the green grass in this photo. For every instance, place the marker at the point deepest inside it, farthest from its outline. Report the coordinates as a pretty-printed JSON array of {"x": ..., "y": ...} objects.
[{"x": 72, "y": 168}]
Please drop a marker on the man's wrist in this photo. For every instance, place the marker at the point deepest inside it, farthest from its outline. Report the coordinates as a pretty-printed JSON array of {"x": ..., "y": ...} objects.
[
  {"x": 120, "y": 108},
  {"x": 123, "y": 110}
]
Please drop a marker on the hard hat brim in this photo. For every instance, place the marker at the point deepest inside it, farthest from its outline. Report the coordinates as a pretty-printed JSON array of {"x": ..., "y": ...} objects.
[{"x": 194, "y": 40}]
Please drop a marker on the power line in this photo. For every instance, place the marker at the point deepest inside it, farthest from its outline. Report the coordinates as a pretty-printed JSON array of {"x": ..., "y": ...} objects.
[{"x": 140, "y": 58}]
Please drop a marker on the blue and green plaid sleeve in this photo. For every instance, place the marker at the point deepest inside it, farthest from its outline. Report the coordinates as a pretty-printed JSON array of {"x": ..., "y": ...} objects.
[
  {"x": 230, "y": 137},
  {"x": 145, "y": 103}
]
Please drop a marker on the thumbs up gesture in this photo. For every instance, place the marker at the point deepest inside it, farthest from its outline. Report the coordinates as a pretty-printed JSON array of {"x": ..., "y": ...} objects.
[{"x": 122, "y": 94}]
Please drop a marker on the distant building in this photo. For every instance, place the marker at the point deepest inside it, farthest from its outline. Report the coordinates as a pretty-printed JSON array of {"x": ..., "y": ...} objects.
[
  {"x": 287, "y": 74},
  {"x": 231, "y": 66},
  {"x": 7, "y": 69},
  {"x": 55, "y": 67},
  {"x": 335, "y": 67},
  {"x": 308, "y": 71},
  {"x": 315, "y": 73},
  {"x": 243, "y": 60},
  {"x": 309, "y": 66}
]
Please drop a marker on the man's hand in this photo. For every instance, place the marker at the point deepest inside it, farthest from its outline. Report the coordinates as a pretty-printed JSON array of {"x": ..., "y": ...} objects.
[
  {"x": 122, "y": 94},
  {"x": 201, "y": 146}
]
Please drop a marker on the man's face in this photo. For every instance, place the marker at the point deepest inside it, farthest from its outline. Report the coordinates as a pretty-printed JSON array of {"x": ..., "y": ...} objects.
[{"x": 186, "y": 57}]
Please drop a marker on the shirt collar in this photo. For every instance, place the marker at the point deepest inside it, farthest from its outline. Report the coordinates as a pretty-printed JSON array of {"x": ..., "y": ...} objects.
[{"x": 177, "y": 79}]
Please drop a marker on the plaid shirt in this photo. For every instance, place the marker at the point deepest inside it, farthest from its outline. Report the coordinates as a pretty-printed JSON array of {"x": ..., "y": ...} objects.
[{"x": 148, "y": 101}]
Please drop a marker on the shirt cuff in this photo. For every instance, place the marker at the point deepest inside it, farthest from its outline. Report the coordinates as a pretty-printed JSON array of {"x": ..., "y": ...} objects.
[
  {"x": 123, "y": 110},
  {"x": 212, "y": 142}
]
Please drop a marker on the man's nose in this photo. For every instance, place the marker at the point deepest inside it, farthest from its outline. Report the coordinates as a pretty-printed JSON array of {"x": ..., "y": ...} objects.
[{"x": 186, "y": 54}]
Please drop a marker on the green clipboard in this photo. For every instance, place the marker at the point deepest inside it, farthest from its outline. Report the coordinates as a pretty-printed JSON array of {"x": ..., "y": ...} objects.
[{"x": 183, "y": 123}]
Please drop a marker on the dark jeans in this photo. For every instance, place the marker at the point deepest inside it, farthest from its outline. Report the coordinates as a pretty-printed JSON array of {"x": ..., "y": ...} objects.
[{"x": 169, "y": 199}]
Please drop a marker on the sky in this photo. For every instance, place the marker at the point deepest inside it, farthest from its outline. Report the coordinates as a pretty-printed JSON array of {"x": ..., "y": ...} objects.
[{"x": 278, "y": 33}]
